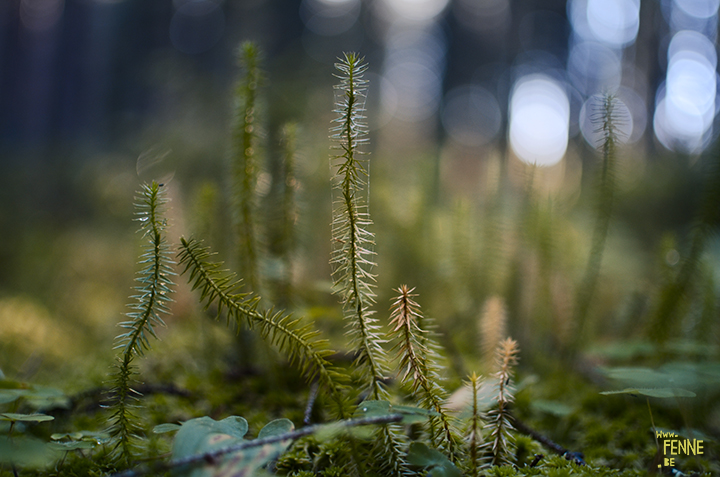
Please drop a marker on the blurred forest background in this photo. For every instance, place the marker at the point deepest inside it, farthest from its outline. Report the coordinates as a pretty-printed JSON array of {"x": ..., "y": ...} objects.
[{"x": 463, "y": 96}]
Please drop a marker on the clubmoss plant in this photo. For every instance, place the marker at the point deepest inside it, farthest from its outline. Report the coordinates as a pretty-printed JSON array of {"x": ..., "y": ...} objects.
[
  {"x": 151, "y": 302},
  {"x": 297, "y": 340},
  {"x": 352, "y": 241},
  {"x": 289, "y": 212},
  {"x": 474, "y": 434},
  {"x": 493, "y": 328},
  {"x": 499, "y": 425},
  {"x": 608, "y": 118},
  {"x": 245, "y": 163},
  {"x": 352, "y": 251},
  {"x": 663, "y": 320},
  {"x": 418, "y": 362}
]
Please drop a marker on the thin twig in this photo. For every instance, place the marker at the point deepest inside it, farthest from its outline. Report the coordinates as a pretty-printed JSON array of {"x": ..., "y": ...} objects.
[
  {"x": 212, "y": 455},
  {"x": 576, "y": 457},
  {"x": 536, "y": 460}
]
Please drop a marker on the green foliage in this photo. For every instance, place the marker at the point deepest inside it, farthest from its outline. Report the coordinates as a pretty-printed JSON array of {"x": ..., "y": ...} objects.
[
  {"x": 15, "y": 417},
  {"x": 499, "y": 425},
  {"x": 151, "y": 302},
  {"x": 474, "y": 436},
  {"x": 352, "y": 241},
  {"x": 608, "y": 118},
  {"x": 245, "y": 163},
  {"x": 435, "y": 462},
  {"x": 352, "y": 251},
  {"x": 408, "y": 414},
  {"x": 22, "y": 450},
  {"x": 26, "y": 452},
  {"x": 655, "y": 392},
  {"x": 663, "y": 320},
  {"x": 19, "y": 448},
  {"x": 289, "y": 212},
  {"x": 299, "y": 342},
  {"x": 404, "y": 426},
  {"x": 205, "y": 447},
  {"x": 205, "y": 435},
  {"x": 419, "y": 364},
  {"x": 79, "y": 440}
]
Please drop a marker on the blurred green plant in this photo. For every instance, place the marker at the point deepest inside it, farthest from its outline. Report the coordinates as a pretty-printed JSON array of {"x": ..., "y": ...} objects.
[
  {"x": 664, "y": 315},
  {"x": 245, "y": 166},
  {"x": 298, "y": 341},
  {"x": 19, "y": 447},
  {"x": 608, "y": 120}
]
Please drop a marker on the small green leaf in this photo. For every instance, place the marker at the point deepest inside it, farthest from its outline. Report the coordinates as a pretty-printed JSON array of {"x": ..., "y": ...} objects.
[
  {"x": 276, "y": 428},
  {"x": 423, "y": 456},
  {"x": 384, "y": 408},
  {"x": 204, "y": 433},
  {"x": 163, "y": 428},
  {"x": 412, "y": 414},
  {"x": 654, "y": 392},
  {"x": 641, "y": 377},
  {"x": 40, "y": 397},
  {"x": 76, "y": 436},
  {"x": 26, "y": 452},
  {"x": 71, "y": 445},
  {"x": 10, "y": 395},
  {"x": 89, "y": 436},
  {"x": 373, "y": 409},
  {"x": 10, "y": 416}
]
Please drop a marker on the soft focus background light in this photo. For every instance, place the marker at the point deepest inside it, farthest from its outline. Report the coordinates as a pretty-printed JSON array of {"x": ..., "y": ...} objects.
[
  {"x": 413, "y": 70},
  {"x": 471, "y": 115},
  {"x": 40, "y": 15},
  {"x": 614, "y": 22},
  {"x": 593, "y": 67},
  {"x": 329, "y": 17},
  {"x": 426, "y": 58},
  {"x": 413, "y": 10},
  {"x": 539, "y": 119},
  {"x": 686, "y": 105},
  {"x": 698, "y": 8}
]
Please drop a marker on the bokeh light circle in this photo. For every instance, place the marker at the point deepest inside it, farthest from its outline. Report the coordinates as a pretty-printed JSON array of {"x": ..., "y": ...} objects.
[
  {"x": 686, "y": 102},
  {"x": 417, "y": 90},
  {"x": 613, "y": 22},
  {"x": 593, "y": 67},
  {"x": 414, "y": 10},
  {"x": 698, "y": 8},
  {"x": 539, "y": 120}
]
